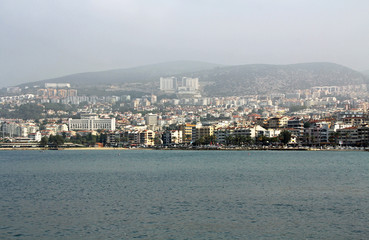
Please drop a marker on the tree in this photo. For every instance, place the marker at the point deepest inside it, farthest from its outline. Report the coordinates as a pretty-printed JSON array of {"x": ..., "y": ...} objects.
[
  {"x": 229, "y": 139},
  {"x": 285, "y": 137},
  {"x": 103, "y": 138},
  {"x": 56, "y": 140},
  {"x": 307, "y": 124},
  {"x": 333, "y": 138},
  {"x": 205, "y": 140},
  {"x": 44, "y": 141},
  {"x": 157, "y": 141}
]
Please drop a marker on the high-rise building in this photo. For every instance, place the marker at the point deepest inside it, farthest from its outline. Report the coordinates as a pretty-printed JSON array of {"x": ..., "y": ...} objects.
[
  {"x": 168, "y": 84},
  {"x": 191, "y": 84}
]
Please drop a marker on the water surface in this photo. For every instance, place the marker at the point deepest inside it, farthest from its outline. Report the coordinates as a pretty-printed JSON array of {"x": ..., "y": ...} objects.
[{"x": 184, "y": 195}]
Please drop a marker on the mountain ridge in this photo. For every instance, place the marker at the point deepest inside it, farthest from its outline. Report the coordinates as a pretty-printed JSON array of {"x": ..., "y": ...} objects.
[{"x": 145, "y": 73}]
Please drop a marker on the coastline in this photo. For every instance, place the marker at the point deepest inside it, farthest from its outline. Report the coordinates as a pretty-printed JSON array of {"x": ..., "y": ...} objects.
[{"x": 180, "y": 149}]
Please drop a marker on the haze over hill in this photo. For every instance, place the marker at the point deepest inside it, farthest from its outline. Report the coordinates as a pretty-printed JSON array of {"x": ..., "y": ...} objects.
[
  {"x": 225, "y": 80},
  {"x": 141, "y": 74},
  {"x": 262, "y": 78}
]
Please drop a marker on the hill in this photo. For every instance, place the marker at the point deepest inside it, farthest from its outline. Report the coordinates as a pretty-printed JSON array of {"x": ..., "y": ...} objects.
[
  {"x": 225, "y": 80},
  {"x": 147, "y": 73},
  {"x": 263, "y": 79}
]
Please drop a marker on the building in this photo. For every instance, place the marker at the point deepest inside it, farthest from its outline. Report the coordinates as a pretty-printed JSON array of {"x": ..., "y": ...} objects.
[
  {"x": 63, "y": 93},
  {"x": 72, "y": 92},
  {"x": 222, "y": 134},
  {"x": 113, "y": 138},
  {"x": 191, "y": 84},
  {"x": 51, "y": 92},
  {"x": 348, "y": 136},
  {"x": 278, "y": 122},
  {"x": 91, "y": 122},
  {"x": 355, "y": 121},
  {"x": 153, "y": 98},
  {"x": 151, "y": 120},
  {"x": 57, "y": 85},
  {"x": 354, "y": 136},
  {"x": 133, "y": 137},
  {"x": 317, "y": 134},
  {"x": 35, "y": 136},
  {"x": 172, "y": 137},
  {"x": 15, "y": 129},
  {"x": 168, "y": 84},
  {"x": 187, "y": 130},
  {"x": 147, "y": 137},
  {"x": 245, "y": 132},
  {"x": 296, "y": 127},
  {"x": 202, "y": 131}
]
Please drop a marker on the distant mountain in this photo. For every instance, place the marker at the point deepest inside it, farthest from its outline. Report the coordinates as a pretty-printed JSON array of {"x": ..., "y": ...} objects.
[
  {"x": 366, "y": 72},
  {"x": 263, "y": 79},
  {"x": 147, "y": 73},
  {"x": 221, "y": 80}
]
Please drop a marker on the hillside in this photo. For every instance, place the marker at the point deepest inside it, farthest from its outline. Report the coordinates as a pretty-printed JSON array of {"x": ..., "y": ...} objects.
[
  {"x": 226, "y": 80},
  {"x": 261, "y": 78},
  {"x": 147, "y": 73}
]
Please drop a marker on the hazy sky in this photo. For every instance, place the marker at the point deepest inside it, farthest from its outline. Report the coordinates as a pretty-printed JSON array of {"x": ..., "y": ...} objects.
[{"x": 41, "y": 39}]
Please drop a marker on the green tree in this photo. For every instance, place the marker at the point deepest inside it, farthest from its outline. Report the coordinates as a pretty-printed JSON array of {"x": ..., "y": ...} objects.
[
  {"x": 56, "y": 140},
  {"x": 307, "y": 124},
  {"x": 209, "y": 139},
  {"x": 285, "y": 137},
  {"x": 229, "y": 139},
  {"x": 102, "y": 138},
  {"x": 44, "y": 141}
]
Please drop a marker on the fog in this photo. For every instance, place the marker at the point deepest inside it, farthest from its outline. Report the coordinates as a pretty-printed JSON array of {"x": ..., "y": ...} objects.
[{"x": 41, "y": 39}]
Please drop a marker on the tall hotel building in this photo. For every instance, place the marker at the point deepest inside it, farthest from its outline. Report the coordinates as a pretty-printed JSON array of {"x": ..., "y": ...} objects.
[{"x": 91, "y": 122}]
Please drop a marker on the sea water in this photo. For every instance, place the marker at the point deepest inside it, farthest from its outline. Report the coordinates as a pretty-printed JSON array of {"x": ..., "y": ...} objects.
[{"x": 134, "y": 194}]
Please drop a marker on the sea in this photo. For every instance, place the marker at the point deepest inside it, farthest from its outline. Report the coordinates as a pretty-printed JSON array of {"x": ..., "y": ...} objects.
[{"x": 165, "y": 194}]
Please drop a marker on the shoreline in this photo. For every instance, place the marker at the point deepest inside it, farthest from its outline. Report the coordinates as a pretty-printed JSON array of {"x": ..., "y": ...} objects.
[{"x": 178, "y": 149}]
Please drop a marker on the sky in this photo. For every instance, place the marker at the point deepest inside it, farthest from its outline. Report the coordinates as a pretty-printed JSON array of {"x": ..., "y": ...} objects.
[{"x": 41, "y": 39}]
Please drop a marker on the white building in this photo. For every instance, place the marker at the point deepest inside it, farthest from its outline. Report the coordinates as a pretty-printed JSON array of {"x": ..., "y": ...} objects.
[
  {"x": 151, "y": 119},
  {"x": 91, "y": 122},
  {"x": 35, "y": 136},
  {"x": 57, "y": 85},
  {"x": 191, "y": 84},
  {"x": 168, "y": 84}
]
